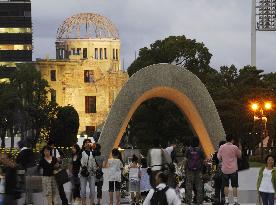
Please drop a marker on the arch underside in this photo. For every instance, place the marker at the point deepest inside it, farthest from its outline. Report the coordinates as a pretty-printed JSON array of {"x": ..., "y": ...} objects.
[{"x": 172, "y": 83}]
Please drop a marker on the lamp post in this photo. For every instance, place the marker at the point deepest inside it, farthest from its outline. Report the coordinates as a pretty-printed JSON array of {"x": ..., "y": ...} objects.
[{"x": 260, "y": 110}]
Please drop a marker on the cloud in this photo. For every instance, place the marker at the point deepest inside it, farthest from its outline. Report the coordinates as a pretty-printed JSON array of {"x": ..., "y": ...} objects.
[{"x": 223, "y": 26}]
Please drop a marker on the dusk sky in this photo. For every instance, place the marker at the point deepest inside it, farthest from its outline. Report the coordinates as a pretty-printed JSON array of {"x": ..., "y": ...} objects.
[{"x": 222, "y": 25}]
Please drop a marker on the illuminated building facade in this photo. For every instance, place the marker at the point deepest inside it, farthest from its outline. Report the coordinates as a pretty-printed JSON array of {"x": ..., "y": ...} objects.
[
  {"x": 15, "y": 34},
  {"x": 87, "y": 72}
]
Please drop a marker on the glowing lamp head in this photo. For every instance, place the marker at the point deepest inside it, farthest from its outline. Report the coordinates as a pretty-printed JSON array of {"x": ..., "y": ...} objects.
[
  {"x": 268, "y": 105},
  {"x": 254, "y": 106}
]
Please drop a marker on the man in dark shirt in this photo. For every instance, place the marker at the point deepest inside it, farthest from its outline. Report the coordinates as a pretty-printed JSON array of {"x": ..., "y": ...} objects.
[{"x": 26, "y": 161}]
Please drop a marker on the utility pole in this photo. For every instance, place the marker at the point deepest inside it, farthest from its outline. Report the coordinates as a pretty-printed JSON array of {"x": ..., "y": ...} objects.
[
  {"x": 253, "y": 34},
  {"x": 263, "y": 18}
]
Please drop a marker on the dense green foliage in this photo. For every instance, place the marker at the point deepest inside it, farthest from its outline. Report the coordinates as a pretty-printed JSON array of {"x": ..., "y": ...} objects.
[
  {"x": 232, "y": 90},
  {"x": 65, "y": 126},
  {"x": 24, "y": 107}
]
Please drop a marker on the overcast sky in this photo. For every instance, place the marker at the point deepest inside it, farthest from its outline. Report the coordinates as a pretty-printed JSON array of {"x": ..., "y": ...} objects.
[{"x": 222, "y": 25}]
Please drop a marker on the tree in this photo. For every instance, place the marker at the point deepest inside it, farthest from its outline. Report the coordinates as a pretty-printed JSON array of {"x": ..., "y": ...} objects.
[
  {"x": 175, "y": 50},
  {"x": 26, "y": 108},
  {"x": 9, "y": 107},
  {"x": 65, "y": 126},
  {"x": 231, "y": 89}
]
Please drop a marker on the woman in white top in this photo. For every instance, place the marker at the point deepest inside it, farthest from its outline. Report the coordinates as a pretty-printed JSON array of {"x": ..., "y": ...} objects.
[
  {"x": 87, "y": 172},
  {"x": 115, "y": 169},
  {"x": 266, "y": 183}
]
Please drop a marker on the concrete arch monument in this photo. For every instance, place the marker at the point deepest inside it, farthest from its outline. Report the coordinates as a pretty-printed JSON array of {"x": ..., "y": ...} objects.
[{"x": 172, "y": 83}]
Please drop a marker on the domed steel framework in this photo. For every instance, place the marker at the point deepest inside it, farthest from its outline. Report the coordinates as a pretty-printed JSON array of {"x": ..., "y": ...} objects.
[{"x": 87, "y": 25}]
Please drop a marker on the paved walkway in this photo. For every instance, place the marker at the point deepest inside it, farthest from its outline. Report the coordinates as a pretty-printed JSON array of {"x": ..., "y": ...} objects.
[{"x": 247, "y": 190}]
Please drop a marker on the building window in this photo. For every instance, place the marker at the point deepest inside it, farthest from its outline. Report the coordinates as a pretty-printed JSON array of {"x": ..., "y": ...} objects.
[
  {"x": 15, "y": 30},
  {"x": 73, "y": 51},
  {"x": 96, "y": 53},
  {"x": 113, "y": 54},
  {"x": 88, "y": 76},
  {"x": 53, "y": 75},
  {"x": 84, "y": 53},
  {"x": 105, "y": 53},
  {"x": 101, "y": 53},
  {"x": 53, "y": 96},
  {"x": 90, "y": 104},
  {"x": 90, "y": 130},
  {"x": 116, "y": 54},
  {"x": 13, "y": 47},
  {"x": 27, "y": 13},
  {"x": 78, "y": 51}
]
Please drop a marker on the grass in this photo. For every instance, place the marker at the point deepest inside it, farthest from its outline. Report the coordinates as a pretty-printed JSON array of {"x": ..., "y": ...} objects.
[{"x": 255, "y": 164}]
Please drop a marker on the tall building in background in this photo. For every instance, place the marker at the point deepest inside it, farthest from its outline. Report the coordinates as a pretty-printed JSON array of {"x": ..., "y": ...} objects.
[{"x": 15, "y": 34}]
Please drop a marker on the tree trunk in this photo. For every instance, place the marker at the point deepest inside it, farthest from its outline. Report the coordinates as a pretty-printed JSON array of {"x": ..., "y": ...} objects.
[
  {"x": 12, "y": 138},
  {"x": 3, "y": 135}
]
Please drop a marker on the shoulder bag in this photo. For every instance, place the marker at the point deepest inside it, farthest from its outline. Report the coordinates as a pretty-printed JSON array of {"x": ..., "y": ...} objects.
[{"x": 84, "y": 170}]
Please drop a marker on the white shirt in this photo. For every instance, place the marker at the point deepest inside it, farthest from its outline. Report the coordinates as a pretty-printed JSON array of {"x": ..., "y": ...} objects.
[
  {"x": 133, "y": 174},
  {"x": 171, "y": 195},
  {"x": 169, "y": 150},
  {"x": 266, "y": 183},
  {"x": 156, "y": 159},
  {"x": 115, "y": 166}
]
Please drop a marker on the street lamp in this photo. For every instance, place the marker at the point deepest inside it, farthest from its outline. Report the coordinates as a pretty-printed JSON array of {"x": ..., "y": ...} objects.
[{"x": 260, "y": 114}]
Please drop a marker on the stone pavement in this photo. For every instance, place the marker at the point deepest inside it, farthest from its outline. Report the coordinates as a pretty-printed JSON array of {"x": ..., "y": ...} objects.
[{"x": 247, "y": 192}]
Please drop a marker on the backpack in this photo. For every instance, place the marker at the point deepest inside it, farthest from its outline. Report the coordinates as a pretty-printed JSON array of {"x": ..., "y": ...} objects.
[
  {"x": 194, "y": 159},
  {"x": 159, "y": 197}
]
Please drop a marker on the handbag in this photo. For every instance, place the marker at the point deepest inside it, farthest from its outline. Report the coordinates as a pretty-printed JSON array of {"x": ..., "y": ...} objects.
[
  {"x": 84, "y": 170},
  {"x": 62, "y": 177},
  {"x": 99, "y": 172}
]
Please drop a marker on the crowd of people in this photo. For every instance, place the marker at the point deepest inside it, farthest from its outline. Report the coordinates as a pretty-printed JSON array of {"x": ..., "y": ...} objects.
[{"x": 152, "y": 180}]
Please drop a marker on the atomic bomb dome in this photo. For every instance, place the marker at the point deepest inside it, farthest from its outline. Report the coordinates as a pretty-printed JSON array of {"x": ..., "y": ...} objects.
[
  {"x": 89, "y": 36},
  {"x": 87, "y": 71},
  {"x": 87, "y": 25}
]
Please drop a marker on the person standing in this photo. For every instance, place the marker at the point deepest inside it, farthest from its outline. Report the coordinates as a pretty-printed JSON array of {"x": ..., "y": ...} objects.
[
  {"x": 266, "y": 183},
  {"x": 87, "y": 173},
  {"x": 48, "y": 164},
  {"x": 229, "y": 154},
  {"x": 11, "y": 195},
  {"x": 144, "y": 179},
  {"x": 134, "y": 180},
  {"x": 157, "y": 158},
  {"x": 115, "y": 172},
  {"x": 76, "y": 164},
  {"x": 162, "y": 194},
  {"x": 26, "y": 161},
  {"x": 219, "y": 188},
  {"x": 56, "y": 153},
  {"x": 99, "y": 173},
  {"x": 171, "y": 150},
  {"x": 195, "y": 157}
]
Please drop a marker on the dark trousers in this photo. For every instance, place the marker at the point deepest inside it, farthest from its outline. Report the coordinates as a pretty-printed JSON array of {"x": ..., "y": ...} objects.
[
  {"x": 267, "y": 198},
  {"x": 76, "y": 191},
  {"x": 194, "y": 178},
  {"x": 99, "y": 186},
  {"x": 219, "y": 189},
  {"x": 62, "y": 194}
]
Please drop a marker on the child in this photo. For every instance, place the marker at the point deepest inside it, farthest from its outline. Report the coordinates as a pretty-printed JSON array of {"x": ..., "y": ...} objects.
[
  {"x": 134, "y": 181},
  {"x": 115, "y": 167},
  {"x": 144, "y": 179}
]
